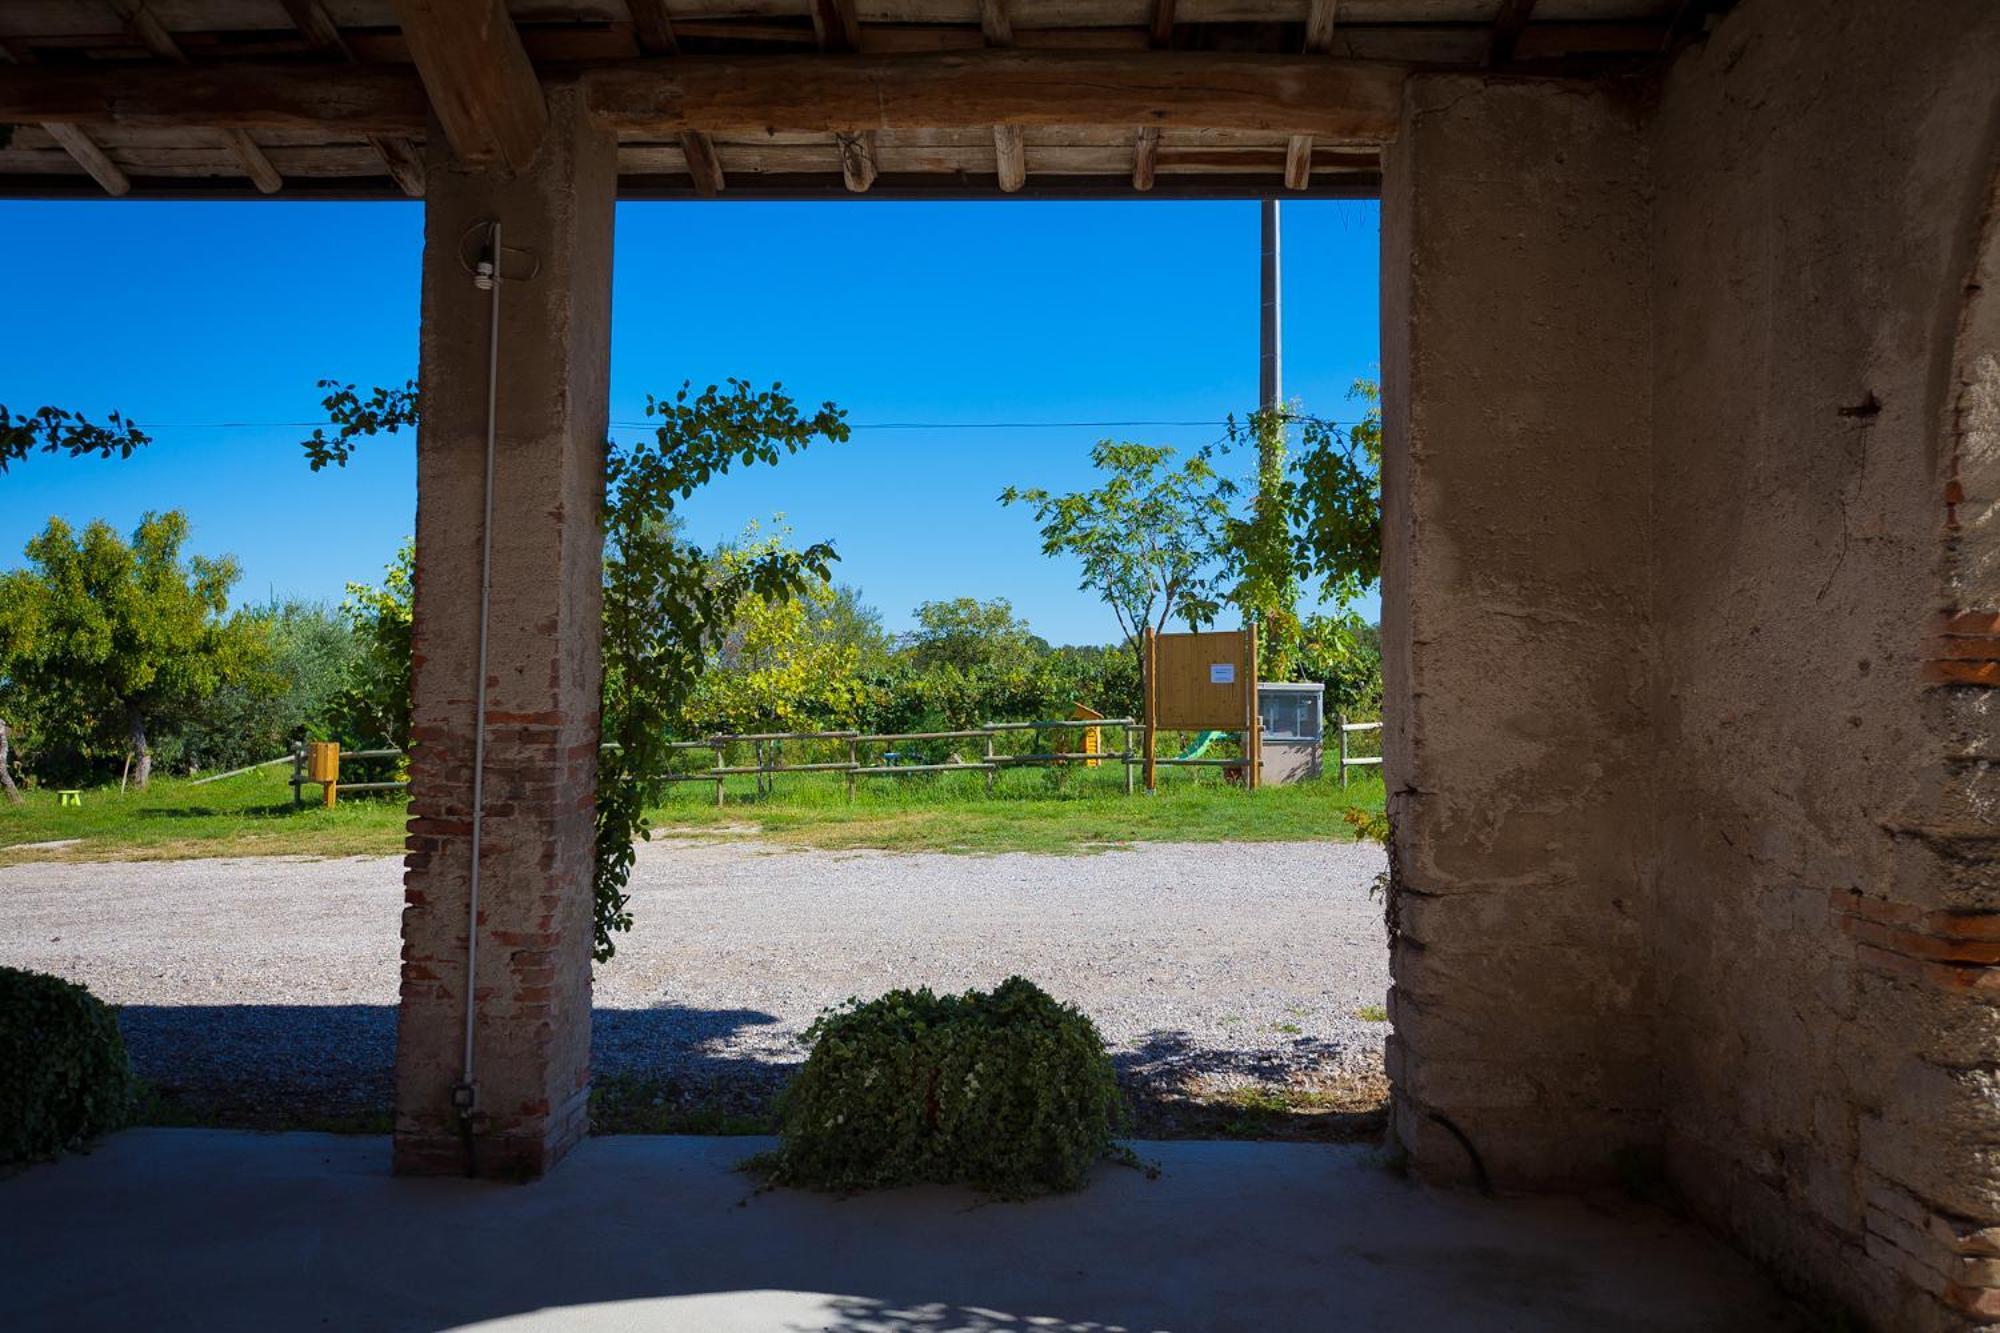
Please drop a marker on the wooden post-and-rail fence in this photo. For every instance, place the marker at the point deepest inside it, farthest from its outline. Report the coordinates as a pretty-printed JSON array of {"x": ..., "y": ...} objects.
[{"x": 318, "y": 763}]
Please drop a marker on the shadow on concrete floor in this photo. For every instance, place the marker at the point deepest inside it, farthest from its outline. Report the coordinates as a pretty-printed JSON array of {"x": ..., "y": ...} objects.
[{"x": 219, "y": 1231}]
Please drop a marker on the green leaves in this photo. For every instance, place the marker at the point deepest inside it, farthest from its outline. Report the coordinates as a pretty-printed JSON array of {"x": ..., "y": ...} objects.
[
  {"x": 101, "y": 638},
  {"x": 64, "y": 1078},
  {"x": 383, "y": 411},
  {"x": 1147, "y": 538},
  {"x": 1006, "y": 1090},
  {"x": 53, "y": 430},
  {"x": 667, "y": 604}
]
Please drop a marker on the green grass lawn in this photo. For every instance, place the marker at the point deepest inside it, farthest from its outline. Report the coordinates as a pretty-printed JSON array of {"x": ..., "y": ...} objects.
[{"x": 253, "y": 815}]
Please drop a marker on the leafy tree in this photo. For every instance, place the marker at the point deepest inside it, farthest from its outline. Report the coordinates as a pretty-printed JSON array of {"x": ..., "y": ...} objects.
[
  {"x": 971, "y": 635},
  {"x": 1322, "y": 518},
  {"x": 784, "y": 665},
  {"x": 667, "y": 603},
  {"x": 123, "y": 636},
  {"x": 1147, "y": 538},
  {"x": 55, "y": 430},
  {"x": 312, "y": 654},
  {"x": 1268, "y": 586},
  {"x": 372, "y": 707},
  {"x": 1338, "y": 500}
]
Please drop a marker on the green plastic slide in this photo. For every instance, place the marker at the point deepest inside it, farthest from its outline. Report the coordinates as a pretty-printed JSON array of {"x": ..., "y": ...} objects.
[{"x": 1201, "y": 744}]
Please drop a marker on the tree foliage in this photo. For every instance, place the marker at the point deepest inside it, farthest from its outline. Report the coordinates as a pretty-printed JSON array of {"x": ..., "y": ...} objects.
[
  {"x": 667, "y": 603},
  {"x": 383, "y": 412},
  {"x": 372, "y": 707},
  {"x": 103, "y": 638},
  {"x": 1147, "y": 537},
  {"x": 969, "y": 635},
  {"x": 1337, "y": 503},
  {"x": 56, "y": 430}
]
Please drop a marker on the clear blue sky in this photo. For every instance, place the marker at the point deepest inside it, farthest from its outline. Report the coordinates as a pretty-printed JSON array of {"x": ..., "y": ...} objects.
[{"x": 185, "y": 316}]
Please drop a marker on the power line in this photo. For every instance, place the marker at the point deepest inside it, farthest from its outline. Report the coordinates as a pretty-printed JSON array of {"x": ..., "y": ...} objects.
[{"x": 856, "y": 425}]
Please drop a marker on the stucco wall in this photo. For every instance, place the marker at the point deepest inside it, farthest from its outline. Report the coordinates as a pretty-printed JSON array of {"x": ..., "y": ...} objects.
[
  {"x": 1822, "y": 176},
  {"x": 1516, "y": 482}
]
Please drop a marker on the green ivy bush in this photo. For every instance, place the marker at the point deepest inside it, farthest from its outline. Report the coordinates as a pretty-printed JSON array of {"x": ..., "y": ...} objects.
[
  {"x": 64, "y": 1078},
  {"x": 1007, "y": 1090}
]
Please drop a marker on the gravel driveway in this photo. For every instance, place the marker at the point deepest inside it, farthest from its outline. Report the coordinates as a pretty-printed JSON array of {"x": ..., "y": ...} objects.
[{"x": 263, "y": 991}]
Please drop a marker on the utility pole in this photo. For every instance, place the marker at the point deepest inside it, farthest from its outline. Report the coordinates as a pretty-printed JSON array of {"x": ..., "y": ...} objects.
[{"x": 1270, "y": 379}]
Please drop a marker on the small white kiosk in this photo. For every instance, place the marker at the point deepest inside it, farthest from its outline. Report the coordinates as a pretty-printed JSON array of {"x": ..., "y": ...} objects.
[{"x": 1294, "y": 718}]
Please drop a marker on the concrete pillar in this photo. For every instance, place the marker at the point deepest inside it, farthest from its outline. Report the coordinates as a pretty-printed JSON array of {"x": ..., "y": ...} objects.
[
  {"x": 532, "y": 1021},
  {"x": 1516, "y": 368}
]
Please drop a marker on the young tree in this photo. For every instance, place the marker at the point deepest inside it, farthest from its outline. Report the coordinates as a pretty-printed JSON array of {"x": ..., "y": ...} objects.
[
  {"x": 1147, "y": 538},
  {"x": 124, "y": 634}
]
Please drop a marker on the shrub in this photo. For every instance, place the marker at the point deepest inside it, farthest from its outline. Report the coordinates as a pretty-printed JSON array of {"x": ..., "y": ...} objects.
[
  {"x": 1008, "y": 1091},
  {"x": 63, "y": 1073}
]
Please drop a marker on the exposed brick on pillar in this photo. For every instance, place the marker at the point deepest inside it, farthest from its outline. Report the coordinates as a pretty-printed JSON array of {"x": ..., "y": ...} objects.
[
  {"x": 1516, "y": 350},
  {"x": 532, "y": 1044}
]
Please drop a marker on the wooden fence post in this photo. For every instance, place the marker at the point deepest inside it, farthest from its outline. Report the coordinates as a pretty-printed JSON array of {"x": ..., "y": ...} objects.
[
  {"x": 1342, "y": 722},
  {"x": 991, "y": 773},
  {"x": 1150, "y": 689},
  {"x": 853, "y": 762},
  {"x": 719, "y": 779}
]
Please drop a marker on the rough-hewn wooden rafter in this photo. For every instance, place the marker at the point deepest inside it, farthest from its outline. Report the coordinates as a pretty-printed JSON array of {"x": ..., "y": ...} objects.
[
  {"x": 1335, "y": 100},
  {"x": 1507, "y": 26},
  {"x": 857, "y": 160},
  {"x": 654, "y": 27},
  {"x": 1145, "y": 157},
  {"x": 1340, "y": 100},
  {"x": 477, "y": 73},
  {"x": 399, "y": 157},
  {"x": 249, "y": 154}
]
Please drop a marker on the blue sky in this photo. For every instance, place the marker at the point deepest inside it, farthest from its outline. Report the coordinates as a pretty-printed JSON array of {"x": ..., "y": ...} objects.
[{"x": 190, "y": 316}]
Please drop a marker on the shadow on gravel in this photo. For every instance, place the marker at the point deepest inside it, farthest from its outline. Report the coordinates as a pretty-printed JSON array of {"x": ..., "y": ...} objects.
[
  {"x": 674, "y": 1070},
  {"x": 1307, "y": 1088},
  {"x": 332, "y": 1067}
]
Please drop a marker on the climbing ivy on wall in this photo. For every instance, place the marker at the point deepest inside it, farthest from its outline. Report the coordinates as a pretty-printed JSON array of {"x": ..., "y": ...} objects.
[{"x": 666, "y": 601}]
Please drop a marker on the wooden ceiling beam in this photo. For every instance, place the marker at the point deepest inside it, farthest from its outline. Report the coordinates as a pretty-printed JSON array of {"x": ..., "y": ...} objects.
[
  {"x": 83, "y": 150},
  {"x": 1507, "y": 26},
  {"x": 995, "y": 26},
  {"x": 654, "y": 27},
  {"x": 76, "y": 141},
  {"x": 1010, "y": 152},
  {"x": 1010, "y": 157},
  {"x": 1320, "y": 21},
  {"x": 479, "y": 79},
  {"x": 857, "y": 160},
  {"x": 1336, "y": 100},
  {"x": 249, "y": 155},
  {"x": 704, "y": 167},
  {"x": 1145, "y": 157},
  {"x": 399, "y": 157},
  {"x": 1346, "y": 101},
  {"x": 1162, "y": 31},
  {"x": 837, "y": 24}
]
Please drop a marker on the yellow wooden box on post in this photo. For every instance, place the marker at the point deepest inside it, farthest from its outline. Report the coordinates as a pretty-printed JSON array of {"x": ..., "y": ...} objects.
[
  {"x": 323, "y": 767},
  {"x": 1093, "y": 739}
]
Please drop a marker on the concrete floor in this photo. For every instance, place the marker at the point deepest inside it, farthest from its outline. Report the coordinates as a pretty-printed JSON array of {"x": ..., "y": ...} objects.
[{"x": 214, "y": 1230}]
